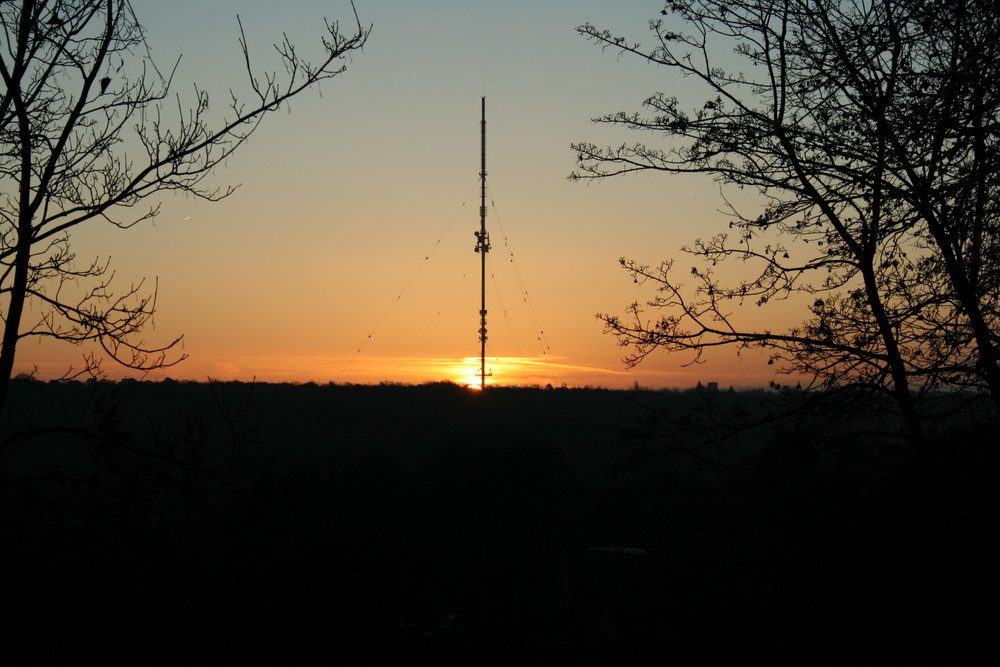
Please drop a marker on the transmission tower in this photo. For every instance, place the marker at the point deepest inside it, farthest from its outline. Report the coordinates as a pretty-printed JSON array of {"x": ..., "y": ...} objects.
[{"x": 482, "y": 247}]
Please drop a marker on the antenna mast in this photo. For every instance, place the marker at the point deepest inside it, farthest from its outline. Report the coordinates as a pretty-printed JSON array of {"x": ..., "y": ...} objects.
[{"x": 482, "y": 247}]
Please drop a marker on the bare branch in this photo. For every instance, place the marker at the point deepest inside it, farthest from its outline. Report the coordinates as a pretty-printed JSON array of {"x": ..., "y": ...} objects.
[{"x": 90, "y": 130}]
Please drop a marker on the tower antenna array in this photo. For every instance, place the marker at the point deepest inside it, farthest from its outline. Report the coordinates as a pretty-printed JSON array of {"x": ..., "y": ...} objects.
[{"x": 482, "y": 247}]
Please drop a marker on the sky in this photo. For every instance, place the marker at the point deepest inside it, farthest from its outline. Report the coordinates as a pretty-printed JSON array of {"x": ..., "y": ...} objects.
[{"x": 346, "y": 253}]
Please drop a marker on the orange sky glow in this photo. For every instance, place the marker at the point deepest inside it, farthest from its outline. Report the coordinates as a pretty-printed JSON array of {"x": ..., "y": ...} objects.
[{"x": 346, "y": 254}]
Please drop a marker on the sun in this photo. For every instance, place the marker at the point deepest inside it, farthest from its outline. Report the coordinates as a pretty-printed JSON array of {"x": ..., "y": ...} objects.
[{"x": 466, "y": 373}]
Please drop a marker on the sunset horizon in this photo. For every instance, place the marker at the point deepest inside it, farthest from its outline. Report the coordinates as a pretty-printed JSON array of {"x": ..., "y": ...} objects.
[
  {"x": 319, "y": 369},
  {"x": 317, "y": 256}
]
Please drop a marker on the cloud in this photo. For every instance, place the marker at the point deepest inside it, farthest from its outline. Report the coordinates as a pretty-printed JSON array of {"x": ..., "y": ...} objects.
[{"x": 226, "y": 371}]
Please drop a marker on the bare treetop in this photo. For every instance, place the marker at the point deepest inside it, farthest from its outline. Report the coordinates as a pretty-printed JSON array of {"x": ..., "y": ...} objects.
[
  {"x": 90, "y": 129},
  {"x": 870, "y": 130}
]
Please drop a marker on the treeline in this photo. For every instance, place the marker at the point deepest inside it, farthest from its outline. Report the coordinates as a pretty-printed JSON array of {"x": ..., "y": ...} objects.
[{"x": 438, "y": 524}]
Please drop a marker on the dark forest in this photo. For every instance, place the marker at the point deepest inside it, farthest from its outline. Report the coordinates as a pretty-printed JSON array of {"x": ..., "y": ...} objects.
[{"x": 179, "y": 522}]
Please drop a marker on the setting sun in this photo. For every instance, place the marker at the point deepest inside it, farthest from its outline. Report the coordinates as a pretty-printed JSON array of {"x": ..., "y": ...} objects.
[
  {"x": 512, "y": 371},
  {"x": 466, "y": 373}
]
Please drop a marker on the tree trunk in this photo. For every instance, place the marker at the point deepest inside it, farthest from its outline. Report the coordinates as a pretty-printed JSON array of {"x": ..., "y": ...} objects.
[{"x": 897, "y": 369}]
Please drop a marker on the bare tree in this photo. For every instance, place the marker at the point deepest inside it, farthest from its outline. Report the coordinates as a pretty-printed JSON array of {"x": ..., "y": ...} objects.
[
  {"x": 869, "y": 129},
  {"x": 91, "y": 132}
]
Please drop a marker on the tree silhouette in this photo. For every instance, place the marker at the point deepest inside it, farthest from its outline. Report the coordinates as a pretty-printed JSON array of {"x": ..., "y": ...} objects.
[
  {"x": 90, "y": 132},
  {"x": 870, "y": 130}
]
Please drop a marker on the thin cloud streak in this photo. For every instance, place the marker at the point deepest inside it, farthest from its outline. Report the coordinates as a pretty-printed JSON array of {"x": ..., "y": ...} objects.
[{"x": 524, "y": 371}]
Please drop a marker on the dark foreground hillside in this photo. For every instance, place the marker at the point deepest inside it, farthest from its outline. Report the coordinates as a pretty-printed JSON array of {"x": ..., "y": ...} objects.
[{"x": 171, "y": 523}]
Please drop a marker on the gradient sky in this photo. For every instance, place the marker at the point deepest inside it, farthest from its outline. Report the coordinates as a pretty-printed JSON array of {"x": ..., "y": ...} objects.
[{"x": 344, "y": 195}]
